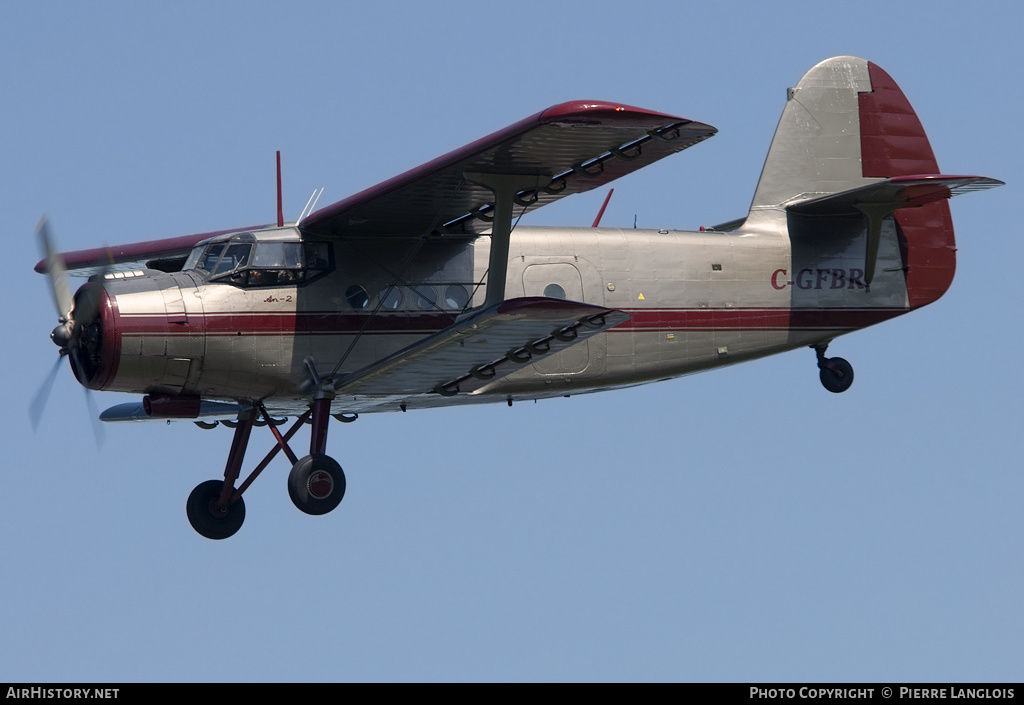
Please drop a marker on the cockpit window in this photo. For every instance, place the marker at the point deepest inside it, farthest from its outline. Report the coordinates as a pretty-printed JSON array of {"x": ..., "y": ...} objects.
[
  {"x": 208, "y": 261},
  {"x": 279, "y": 255},
  {"x": 256, "y": 264},
  {"x": 236, "y": 256}
]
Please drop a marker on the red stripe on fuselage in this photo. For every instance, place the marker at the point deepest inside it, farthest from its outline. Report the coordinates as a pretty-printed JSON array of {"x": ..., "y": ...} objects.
[
  {"x": 740, "y": 319},
  {"x": 645, "y": 319},
  {"x": 285, "y": 323}
]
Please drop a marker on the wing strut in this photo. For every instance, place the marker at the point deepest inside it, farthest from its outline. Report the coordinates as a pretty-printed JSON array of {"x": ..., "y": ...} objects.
[{"x": 505, "y": 188}]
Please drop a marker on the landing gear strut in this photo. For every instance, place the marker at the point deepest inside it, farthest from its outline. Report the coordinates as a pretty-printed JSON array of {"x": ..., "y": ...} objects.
[
  {"x": 316, "y": 483},
  {"x": 836, "y": 373}
]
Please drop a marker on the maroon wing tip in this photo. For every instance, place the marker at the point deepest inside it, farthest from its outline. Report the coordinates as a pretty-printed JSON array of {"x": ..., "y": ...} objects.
[{"x": 605, "y": 112}]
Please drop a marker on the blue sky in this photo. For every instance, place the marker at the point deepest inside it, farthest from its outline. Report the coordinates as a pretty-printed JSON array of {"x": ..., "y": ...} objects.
[{"x": 739, "y": 525}]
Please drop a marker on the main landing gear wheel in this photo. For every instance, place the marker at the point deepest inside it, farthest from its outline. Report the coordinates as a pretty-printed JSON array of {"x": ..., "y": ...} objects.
[
  {"x": 836, "y": 374},
  {"x": 205, "y": 515},
  {"x": 316, "y": 484}
]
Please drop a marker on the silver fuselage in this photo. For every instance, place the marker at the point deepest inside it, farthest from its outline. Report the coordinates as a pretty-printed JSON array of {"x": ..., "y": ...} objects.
[{"x": 697, "y": 300}]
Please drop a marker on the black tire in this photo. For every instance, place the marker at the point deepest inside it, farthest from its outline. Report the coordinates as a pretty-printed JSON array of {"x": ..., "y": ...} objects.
[
  {"x": 316, "y": 484},
  {"x": 205, "y": 519},
  {"x": 836, "y": 375}
]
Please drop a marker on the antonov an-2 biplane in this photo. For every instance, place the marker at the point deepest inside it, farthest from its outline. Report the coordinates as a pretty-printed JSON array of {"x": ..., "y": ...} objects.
[{"x": 420, "y": 292}]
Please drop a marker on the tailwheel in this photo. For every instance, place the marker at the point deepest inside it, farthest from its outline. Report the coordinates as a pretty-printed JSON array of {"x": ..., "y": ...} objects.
[
  {"x": 836, "y": 374},
  {"x": 206, "y": 515},
  {"x": 316, "y": 484}
]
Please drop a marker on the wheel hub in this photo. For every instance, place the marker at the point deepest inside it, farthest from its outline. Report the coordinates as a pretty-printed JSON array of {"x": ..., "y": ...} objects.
[
  {"x": 217, "y": 510},
  {"x": 320, "y": 484}
]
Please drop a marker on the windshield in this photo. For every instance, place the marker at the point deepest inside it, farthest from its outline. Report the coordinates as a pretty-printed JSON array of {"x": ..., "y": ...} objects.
[{"x": 235, "y": 256}]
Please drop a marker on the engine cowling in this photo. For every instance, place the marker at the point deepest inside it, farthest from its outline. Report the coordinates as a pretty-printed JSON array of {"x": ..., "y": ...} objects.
[{"x": 140, "y": 338}]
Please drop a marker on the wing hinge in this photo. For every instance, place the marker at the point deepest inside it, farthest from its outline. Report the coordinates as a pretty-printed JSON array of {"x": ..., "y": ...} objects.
[{"x": 587, "y": 169}]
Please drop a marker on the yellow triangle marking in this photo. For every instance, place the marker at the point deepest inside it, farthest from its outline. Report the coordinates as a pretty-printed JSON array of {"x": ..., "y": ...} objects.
[{"x": 641, "y": 297}]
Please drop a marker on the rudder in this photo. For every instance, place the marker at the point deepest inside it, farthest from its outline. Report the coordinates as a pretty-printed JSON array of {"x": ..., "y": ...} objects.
[{"x": 893, "y": 143}]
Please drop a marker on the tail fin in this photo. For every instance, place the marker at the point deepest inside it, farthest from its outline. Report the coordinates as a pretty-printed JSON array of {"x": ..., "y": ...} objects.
[
  {"x": 846, "y": 126},
  {"x": 817, "y": 146}
]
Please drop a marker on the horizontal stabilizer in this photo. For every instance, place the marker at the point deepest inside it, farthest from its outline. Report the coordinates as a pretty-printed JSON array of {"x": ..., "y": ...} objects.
[
  {"x": 896, "y": 192},
  {"x": 483, "y": 348},
  {"x": 879, "y": 200}
]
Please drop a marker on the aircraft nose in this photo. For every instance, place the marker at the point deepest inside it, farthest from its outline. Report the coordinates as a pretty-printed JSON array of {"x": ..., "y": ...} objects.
[
  {"x": 92, "y": 341},
  {"x": 61, "y": 335}
]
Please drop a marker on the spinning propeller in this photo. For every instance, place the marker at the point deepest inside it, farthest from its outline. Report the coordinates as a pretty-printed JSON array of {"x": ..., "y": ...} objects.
[{"x": 77, "y": 333}]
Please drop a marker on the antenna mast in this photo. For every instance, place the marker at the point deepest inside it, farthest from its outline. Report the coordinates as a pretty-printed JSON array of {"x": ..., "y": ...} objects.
[{"x": 280, "y": 205}]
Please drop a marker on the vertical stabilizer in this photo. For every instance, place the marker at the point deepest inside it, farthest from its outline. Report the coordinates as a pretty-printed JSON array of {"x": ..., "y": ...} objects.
[
  {"x": 846, "y": 125},
  {"x": 817, "y": 145}
]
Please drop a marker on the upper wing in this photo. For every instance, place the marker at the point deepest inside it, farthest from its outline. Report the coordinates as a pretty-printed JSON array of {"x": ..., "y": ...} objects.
[{"x": 577, "y": 146}]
